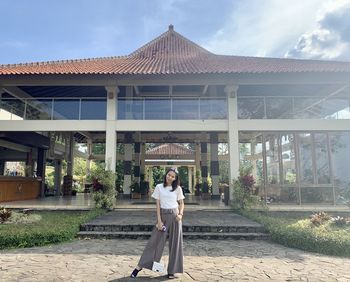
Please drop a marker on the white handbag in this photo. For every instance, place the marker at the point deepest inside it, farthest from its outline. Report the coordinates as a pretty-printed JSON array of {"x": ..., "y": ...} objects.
[{"x": 158, "y": 267}]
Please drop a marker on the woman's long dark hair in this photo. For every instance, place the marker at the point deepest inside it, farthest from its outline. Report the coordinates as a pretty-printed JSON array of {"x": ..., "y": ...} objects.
[{"x": 176, "y": 182}]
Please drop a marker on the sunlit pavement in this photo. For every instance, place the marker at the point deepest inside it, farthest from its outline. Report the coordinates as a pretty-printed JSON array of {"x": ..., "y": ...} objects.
[{"x": 113, "y": 260}]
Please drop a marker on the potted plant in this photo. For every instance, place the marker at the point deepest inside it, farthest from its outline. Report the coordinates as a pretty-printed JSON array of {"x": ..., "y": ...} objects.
[
  {"x": 103, "y": 183},
  {"x": 206, "y": 195},
  {"x": 135, "y": 190}
]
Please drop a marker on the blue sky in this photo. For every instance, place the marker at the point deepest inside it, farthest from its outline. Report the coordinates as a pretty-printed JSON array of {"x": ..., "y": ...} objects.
[{"x": 45, "y": 30}]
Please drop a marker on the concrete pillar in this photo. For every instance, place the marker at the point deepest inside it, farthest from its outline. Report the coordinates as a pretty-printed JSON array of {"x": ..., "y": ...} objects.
[
  {"x": 137, "y": 164},
  {"x": 204, "y": 158},
  {"x": 70, "y": 159},
  {"x": 233, "y": 138},
  {"x": 111, "y": 134},
  {"x": 190, "y": 184},
  {"x": 143, "y": 159},
  {"x": 89, "y": 152},
  {"x": 214, "y": 164},
  {"x": 128, "y": 140},
  {"x": 197, "y": 168},
  {"x": 58, "y": 177},
  {"x": 40, "y": 170}
]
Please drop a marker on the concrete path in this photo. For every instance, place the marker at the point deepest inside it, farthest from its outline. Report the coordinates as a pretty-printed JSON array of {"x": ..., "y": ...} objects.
[{"x": 113, "y": 260}]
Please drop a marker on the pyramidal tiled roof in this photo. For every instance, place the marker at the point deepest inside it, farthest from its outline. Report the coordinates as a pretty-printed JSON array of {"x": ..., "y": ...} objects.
[
  {"x": 170, "y": 149},
  {"x": 171, "y": 53}
]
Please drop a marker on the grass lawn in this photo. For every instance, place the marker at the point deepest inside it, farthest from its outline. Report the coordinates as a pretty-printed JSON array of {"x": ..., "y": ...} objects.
[
  {"x": 297, "y": 231},
  {"x": 52, "y": 227}
]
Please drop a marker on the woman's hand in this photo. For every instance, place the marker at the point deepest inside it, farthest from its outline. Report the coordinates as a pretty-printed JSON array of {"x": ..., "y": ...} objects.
[
  {"x": 159, "y": 225},
  {"x": 179, "y": 217}
]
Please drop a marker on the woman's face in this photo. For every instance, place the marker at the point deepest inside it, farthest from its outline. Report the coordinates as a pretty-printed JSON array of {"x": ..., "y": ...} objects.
[{"x": 170, "y": 177}]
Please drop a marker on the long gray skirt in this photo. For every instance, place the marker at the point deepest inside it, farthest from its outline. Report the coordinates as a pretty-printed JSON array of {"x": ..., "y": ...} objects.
[{"x": 155, "y": 246}]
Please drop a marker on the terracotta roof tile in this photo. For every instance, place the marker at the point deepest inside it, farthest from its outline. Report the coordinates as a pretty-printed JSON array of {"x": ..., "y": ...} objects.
[
  {"x": 170, "y": 149},
  {"x": 171, "y": 53}
]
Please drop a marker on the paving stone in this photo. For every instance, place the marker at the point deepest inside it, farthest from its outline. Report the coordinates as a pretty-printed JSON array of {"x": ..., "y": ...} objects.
[{"x": 222, "y": 260}]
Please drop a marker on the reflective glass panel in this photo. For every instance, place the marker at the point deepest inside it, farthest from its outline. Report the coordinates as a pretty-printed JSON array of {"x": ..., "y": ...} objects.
[
  {"x": 340, "y": 148},
  {"x": 156, "y": 109},
  {"x": 94, "y": 109},
  {"x": 279, "y": 108},
  {"x": 305, "y": 150},
  {"x": 322, "y": 160},
  {"x": 213, "y": 109},
  {"x": 11, "y": 109},
  {"x": 250, "y": 108},
  {"x": 66, "y": 109},
  {"x": 185, "y": 109},
  {"x": 288, "y": 159},
  {"x": 38, "y": 109}
]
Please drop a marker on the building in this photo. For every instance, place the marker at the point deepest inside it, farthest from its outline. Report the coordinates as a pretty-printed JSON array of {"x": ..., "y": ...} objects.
[{"x": 288, "y": 118}]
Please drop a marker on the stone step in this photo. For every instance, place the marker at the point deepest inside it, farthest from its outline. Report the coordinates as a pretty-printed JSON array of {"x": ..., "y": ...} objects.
[
  {"x": 190, "y": 235},
  {"x": 185, "y": 228}
]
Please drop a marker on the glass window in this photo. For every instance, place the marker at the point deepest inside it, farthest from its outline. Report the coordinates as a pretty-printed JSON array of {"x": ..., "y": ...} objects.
[
  {"x": 279, "y": 108},
  {"x": 93, "y": 109},
  {"x": 288, "y": 159},
  {"x": 322, "y": 160},
  {"x": 157, "y": 109},
  {"x": 337, "y": 109},
  {"x": 272, "y": 159},
  {"x": 130, "y": 109},
  {"x": 305, "y": 151},
  {"x": 213, "y": 109},
  {"x": 11, "y": 109},
  {"x": 185, "y": 109},
  {"x": 250, "y": 108},
  {"x": 38, "y": 109},
  {"x": 309, "y": 108},
  {"x": 340, "y": 148},
  {"x": 66, "y": 109}
]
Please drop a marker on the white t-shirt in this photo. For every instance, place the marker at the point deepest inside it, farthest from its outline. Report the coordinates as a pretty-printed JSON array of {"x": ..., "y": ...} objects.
[{"x": 168, "y": 199}]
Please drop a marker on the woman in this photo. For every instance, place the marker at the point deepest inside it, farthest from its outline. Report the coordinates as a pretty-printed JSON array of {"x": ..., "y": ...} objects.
[{"x": 170, "y": 208}]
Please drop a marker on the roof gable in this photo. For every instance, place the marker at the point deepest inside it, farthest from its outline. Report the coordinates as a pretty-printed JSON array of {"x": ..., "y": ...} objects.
[{"x": 169, "y": 44}]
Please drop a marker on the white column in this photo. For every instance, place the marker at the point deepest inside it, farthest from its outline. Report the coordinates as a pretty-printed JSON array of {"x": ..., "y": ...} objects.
[
  {"x": 89, "y": 152},
  {"x": 233, "y": 139},
  {"x": 143, "y": 159},
  {"x": 137, "y": 164},
  {"x": 197, "y": 163},
  {"x": 214, "y": 164},
  {"x": 189, "y": 178},
  {"x": 111, "y": 134},
  {"x": 128, "y": 152}
]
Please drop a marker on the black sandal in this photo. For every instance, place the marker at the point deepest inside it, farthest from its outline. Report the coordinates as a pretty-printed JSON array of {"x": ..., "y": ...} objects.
[
  {"x": 171, "y": 276},
  {"x": 135, "y": 272}
]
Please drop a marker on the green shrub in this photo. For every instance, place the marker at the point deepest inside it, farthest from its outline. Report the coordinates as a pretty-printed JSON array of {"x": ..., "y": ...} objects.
[
  {"x": 105, "y": 195},
  {"x": 300, "y": 233},
  {"x": 54, "y": 227},
  {"x": 243, "y": 198}
]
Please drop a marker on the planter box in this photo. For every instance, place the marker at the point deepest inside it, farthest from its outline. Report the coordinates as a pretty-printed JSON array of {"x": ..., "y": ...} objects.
[{"x": 135, "y": 195}]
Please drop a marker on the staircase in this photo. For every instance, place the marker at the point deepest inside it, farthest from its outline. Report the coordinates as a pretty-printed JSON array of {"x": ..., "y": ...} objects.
[{"x": 208, "y": 225}]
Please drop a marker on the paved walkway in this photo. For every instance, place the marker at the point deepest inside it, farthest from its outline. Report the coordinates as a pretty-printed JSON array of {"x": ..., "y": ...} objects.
[{"x": 113, "y": 260}]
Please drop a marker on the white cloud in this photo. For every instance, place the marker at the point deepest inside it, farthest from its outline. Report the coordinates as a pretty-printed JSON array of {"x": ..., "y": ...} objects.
[
  {"x": 330, "y": 39},
  {"x": 273, "y": 28},
  {"x": 264, "y": 28}
]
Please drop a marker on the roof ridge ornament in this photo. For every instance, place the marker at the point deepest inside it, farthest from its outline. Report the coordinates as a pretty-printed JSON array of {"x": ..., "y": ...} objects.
[{"x": 171, "y": 27}]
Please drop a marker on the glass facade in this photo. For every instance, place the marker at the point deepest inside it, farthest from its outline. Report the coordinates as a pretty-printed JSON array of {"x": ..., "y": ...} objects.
[
  {"x": 171, "y": 109},
  {"x": 49, "y": 108},
  {"x": 267, "y": 107},
  {"x": 298, "y": 168}
]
